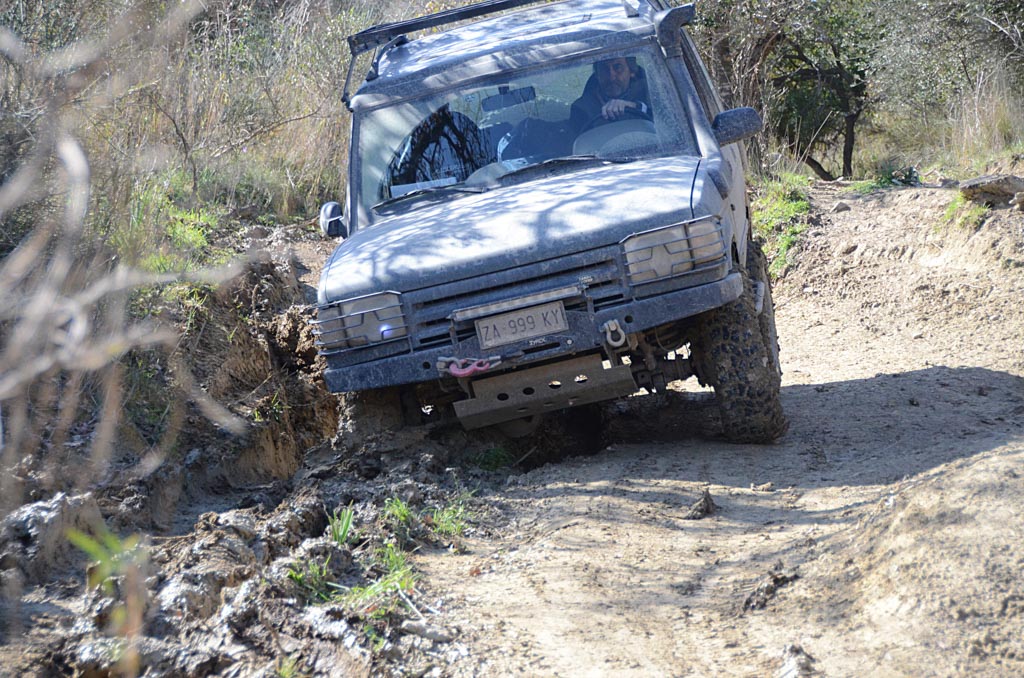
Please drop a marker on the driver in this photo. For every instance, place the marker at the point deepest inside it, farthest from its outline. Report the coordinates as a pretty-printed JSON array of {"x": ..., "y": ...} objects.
[{"x": 617, "y": 89}]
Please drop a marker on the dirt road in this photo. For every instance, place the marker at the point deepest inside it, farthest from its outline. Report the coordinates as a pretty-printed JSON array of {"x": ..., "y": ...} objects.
[{"x": 881, "y": 536}]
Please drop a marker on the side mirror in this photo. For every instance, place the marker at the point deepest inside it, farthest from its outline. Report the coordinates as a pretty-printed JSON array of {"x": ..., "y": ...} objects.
[
  {"x": 735, "y": 125},
  {"x": 332, "y": 221}
]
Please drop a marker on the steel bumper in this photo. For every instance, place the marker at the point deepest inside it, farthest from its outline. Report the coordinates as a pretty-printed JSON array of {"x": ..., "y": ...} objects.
[{"x": 584, "y": 335}]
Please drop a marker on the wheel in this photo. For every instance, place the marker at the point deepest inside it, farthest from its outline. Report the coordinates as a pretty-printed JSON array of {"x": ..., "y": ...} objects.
[{"x": 735, "y": 350}]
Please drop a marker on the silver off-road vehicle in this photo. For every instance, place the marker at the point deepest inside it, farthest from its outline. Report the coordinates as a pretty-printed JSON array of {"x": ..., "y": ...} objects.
[{"x": 523, "y": 235}]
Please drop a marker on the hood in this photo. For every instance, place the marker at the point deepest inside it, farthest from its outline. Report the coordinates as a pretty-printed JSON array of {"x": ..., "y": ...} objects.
[{"x": 468, "y": 235}]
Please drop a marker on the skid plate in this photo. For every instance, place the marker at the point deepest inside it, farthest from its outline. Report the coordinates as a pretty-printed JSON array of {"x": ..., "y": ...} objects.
[{"x": 537, "y": 390}]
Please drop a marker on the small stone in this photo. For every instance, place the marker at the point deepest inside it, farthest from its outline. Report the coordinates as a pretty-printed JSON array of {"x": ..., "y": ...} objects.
[
  {"x": 429, "y": 631},
  {"x": 840, "y": 207},
  {"x": 1017, "y": 201}
]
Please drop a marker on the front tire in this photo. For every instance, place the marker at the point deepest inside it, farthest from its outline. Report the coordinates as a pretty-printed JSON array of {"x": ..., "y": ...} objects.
[{"x": 736, "y": 351}]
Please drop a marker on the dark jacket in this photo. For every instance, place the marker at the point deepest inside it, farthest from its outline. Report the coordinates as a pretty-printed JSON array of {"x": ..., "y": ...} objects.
[{"x": 586, "y": 111}]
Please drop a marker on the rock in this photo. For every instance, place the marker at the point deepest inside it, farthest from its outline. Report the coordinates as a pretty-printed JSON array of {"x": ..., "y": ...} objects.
[
  {"x": 840, "y": 207},
  {"x": 34, "y": 537},
  {"x": 100, "y": 656},
  {"x": 796, "y": 663},
  {"x": 702, "y": 507},
  {"x": 767, "y": 587},
  {"x": 1017, "y": 202},
  {"x": 992, "y": 189},
  {"x": 424, "y": 630}
]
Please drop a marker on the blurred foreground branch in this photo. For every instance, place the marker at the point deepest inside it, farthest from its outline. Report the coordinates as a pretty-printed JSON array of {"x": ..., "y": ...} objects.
[{"x": 64, "y": 316}]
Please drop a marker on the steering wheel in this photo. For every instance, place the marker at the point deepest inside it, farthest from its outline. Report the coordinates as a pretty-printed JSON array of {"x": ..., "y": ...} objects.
[
  {"x": 616, "y": 136},
  {"x": 627, "y": 114}
]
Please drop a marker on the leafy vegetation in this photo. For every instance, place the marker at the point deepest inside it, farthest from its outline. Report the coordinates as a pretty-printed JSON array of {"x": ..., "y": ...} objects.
[
  {"x": 118, "y": 570},
  {"x": 842, "y": 82},
  {"x": 339, "y": 525},
  {"x": 451, "y": 519},
  {"x": 780, "y": 208},
  {"x": 314, "y": 580},
  {"x": 964, "y": 214}
]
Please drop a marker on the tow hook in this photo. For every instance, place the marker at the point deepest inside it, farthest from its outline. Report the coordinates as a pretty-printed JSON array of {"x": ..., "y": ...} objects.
[
  {"x": 466, "y": 367},
  {"x": 613, "y": 334}
]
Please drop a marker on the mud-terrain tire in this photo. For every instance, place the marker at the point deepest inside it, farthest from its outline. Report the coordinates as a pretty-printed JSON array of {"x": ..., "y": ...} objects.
[{"x": 735, "y": 350}]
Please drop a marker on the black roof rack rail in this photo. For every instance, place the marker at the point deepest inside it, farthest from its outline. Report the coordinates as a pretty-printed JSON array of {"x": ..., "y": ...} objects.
[{"x": 374, "y": 37}]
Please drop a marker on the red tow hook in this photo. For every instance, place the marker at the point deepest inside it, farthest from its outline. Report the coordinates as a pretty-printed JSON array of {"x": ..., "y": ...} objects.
[{"x": 467, "y": 367}]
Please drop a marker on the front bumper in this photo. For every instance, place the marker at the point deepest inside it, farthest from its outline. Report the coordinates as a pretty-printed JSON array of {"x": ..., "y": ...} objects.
[{"x": 584, "y": 335}]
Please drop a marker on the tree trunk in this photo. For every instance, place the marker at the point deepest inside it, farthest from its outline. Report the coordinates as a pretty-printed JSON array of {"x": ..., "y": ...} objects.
[
  {"x": 848, "y": 138},
  {"x": 822, "y": 173}
]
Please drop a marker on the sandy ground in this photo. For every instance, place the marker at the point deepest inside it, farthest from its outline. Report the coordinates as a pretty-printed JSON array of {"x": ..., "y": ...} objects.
[{"x": 881, "y": 536}]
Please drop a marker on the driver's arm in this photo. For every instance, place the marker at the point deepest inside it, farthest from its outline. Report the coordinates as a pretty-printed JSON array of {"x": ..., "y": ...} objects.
[{"x": 616, "y": 107}]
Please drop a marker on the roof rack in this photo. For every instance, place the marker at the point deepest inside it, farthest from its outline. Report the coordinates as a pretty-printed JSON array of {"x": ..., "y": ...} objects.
[
  {"x": 374, "y": 37},
  {"x": 386, "y": 36}
]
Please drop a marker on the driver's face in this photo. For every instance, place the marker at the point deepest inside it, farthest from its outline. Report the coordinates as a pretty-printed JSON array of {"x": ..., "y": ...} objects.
[{"x": 613, "y": 76}]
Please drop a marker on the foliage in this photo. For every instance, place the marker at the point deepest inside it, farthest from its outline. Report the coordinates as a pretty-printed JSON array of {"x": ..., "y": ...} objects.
[
  {"x": 494, "y": 458},
  {"x": 397, "y": 513},
  {"x": 289, "y": 667},
  {"x": 118, "y": 570},
  {"x": 937, "y": 80},
  {"x": 383, "y": 596},
  {"x": 313, "y": 579},
  {"x": 339, "y": 525},
  {"x": 450, "y": 520},
  {"x": 888, "y": 178},
  {"x": 779, "y": 215},
  {"x": 964, "y": 214}
]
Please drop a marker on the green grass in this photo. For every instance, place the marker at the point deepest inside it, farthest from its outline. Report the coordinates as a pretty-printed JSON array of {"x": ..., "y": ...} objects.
[
  {"x": 383, "y": 596},
  {"x": 339, "y": 525},
  {"x": 494, "y": 459},
  {"x": 780, "y": 211},
  {"x": 397, "y": 513},
  {"x": 963, "y": 214},
  {"x": 313, "y": 579},
  {"x": 451, "y": 519},
  {"x": 289, "y": 667},
  {"x": 888, "y": 177}
]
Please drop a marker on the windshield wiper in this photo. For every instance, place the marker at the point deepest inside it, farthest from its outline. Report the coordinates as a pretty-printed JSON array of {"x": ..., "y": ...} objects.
[
  {"x": 565, "y": 160},
  {"x": 429, "y": 191}
]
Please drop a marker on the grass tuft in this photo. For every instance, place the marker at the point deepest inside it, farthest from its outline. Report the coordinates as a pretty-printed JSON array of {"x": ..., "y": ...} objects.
[{"x": 964, "y": 214}]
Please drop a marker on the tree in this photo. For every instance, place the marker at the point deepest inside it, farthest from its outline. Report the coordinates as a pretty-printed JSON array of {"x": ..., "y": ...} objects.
[{"x": 822, "y": 68}]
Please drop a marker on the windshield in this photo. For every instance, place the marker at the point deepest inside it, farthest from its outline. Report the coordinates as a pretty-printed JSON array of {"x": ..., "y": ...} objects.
[{"x": 620, "y": 105}]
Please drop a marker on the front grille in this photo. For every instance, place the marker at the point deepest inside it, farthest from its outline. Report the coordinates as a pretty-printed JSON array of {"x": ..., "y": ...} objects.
[{"x": 598, "y": 272}]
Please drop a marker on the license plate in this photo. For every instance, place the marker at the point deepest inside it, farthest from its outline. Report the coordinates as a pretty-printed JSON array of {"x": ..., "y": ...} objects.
[{"x": 536, "y": 321}]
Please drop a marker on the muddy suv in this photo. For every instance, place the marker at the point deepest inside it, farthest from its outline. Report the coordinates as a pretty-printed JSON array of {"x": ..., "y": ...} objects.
[{"x": 546, "y": 208}]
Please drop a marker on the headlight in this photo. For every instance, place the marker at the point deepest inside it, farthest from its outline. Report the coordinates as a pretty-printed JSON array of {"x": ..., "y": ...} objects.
[
  {"x": 673, "y": 250},
  {"x": 359, "y": 322}
]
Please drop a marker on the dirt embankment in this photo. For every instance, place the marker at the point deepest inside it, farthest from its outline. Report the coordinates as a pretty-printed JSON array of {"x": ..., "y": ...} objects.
[{"x": 881, "y": 536}]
